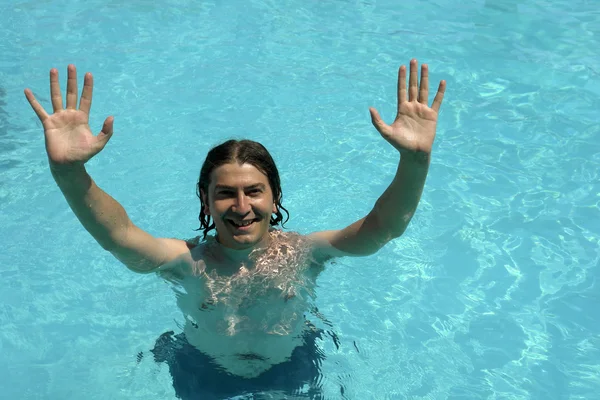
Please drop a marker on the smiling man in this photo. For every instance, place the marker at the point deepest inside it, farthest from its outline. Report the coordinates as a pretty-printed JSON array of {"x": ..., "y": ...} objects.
[
  {"x": 238, "y": 195},
  {"x": 244, "y": 290}
]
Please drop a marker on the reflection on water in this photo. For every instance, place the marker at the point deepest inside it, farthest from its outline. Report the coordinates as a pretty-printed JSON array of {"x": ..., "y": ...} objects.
[
  {"x": 6, "y": 144},
  {"x": 507, "y": 6},
  {"x": 6, "y": 127},
  {"x": 3, "y": 114}
]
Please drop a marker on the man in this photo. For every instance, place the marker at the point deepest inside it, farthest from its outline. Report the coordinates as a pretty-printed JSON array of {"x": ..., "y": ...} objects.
[{"x": 243, "y": 291}]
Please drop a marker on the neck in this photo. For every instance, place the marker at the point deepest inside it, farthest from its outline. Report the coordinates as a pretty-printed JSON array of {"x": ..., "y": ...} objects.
[{"x": 233, "y": 255}]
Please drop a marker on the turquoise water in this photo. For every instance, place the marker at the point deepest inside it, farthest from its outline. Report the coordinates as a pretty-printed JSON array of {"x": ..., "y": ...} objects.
[{"x": 492, "y": 292}]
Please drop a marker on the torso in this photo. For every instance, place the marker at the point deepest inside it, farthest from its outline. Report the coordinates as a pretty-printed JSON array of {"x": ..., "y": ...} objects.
[{"x": 248, "y": 317}]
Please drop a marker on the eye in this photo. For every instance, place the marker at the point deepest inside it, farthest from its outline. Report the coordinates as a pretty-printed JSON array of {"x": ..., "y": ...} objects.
[
  {"x": 224, "y": 194},
  {"x": 254, "y": 192}
]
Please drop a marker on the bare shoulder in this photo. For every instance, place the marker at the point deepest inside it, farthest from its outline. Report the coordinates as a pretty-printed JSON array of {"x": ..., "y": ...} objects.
[
  {"x": 189, "y": 263},
  {"x": 322, "y": 244},
  {"x": 315, "y": 249},
  {"x": 289, "y": 238},
  {"x": 300, "y": 244},
  {"x": 193, "y": 242}
]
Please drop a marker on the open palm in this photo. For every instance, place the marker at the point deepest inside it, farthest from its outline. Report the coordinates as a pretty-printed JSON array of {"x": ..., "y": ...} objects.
[
  {"x": 413, "y": 130},
  {"x": 69, "y": 140}
]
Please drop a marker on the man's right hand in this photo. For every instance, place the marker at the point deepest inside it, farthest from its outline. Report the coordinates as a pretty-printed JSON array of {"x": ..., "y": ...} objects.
[
  {"x": 70, "y": 144},
  {"x": 69, "y": 140}
]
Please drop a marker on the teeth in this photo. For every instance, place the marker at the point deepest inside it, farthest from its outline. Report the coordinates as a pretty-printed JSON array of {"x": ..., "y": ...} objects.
[{"x": 244, "y": 223}]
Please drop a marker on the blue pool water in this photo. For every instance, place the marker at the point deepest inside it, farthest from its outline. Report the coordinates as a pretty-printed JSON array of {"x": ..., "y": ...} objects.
[{"x": 492, "y": 293}]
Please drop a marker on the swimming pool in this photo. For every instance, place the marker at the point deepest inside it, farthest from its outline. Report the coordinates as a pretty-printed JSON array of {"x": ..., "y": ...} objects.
[{"x": 491, "y": 293}]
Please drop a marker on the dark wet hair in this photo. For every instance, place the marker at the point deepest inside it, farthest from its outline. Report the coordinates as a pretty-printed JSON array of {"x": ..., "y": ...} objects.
[{"x": 242, "y": 152}]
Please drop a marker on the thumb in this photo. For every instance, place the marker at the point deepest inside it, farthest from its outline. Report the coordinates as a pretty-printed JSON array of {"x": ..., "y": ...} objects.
[
  {"x": 376, "y": 120},
  {"x": 106, "y": 133}
]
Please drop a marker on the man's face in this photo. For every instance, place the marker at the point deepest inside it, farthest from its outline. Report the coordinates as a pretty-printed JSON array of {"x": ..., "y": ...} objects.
[{"x": 240, "y": 202}]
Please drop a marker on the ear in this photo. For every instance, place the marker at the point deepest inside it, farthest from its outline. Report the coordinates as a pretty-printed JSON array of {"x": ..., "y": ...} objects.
[
  {"x": 206, "y": 209},
  {"x": 274, "y": 208}
]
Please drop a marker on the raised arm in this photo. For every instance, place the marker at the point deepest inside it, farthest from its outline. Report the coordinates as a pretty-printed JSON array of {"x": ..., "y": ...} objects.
[
  {"x": 69, "y": 145},
  {"x": 412, "y": 135}
]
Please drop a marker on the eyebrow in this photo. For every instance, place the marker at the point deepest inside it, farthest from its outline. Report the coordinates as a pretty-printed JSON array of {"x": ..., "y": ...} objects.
[{"x": 250, "y": 187}]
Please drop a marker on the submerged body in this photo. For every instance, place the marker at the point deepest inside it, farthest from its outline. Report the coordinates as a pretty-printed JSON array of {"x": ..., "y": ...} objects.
[{"x": 250, "y": 316}]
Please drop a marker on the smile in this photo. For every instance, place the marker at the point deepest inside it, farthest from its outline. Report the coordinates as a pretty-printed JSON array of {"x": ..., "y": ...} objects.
[{"x": 242, "y": 224}]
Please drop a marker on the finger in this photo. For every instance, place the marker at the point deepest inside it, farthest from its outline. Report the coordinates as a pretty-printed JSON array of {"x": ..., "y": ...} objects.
[
  {"x": 401, "y": 85},
  {"x": 439, "y": 96},
  {"x": 424, "y": 87},
  {"x": 377, "y": 121},
  {"x": 413, "y": 81},
  {"x": 85, "y": 103},
  {"x": 39, "y": 110},
  {"x": 106, "y": 133},
  {"x": 55, "y": 94},
  {"x": 107, "y": 128},
  {"x": 72, "y": 87}
]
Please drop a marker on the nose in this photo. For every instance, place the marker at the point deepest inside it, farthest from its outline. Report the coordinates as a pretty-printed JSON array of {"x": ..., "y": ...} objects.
[{"x": 242, "y": 204}]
